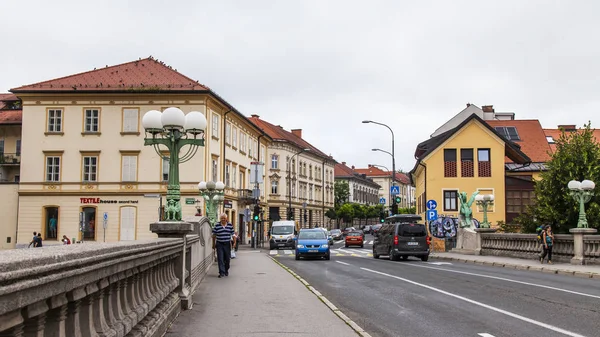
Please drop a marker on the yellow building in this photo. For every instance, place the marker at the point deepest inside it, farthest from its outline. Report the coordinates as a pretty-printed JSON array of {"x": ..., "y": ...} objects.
[
  {"x": 10, "y": 164},
  {"x": 466, "y": 158},
  {"x": 84, "y": 154}
]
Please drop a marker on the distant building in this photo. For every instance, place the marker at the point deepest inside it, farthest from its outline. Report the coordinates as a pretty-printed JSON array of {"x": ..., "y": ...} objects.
[
  {"x": 384, "y": 179},
  {"x": 10, "y": 167},
  {"x": 363, "y": 190}
]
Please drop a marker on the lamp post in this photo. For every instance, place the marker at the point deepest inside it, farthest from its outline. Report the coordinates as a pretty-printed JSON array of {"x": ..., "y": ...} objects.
[
  {"x": 484, "y": 201},
  {"x": 174, "y": 130},
  {"x": 213, "y": 194},
  {"x": 393, "y": 153},
  {"x": 392, "y": 201},
  {"x": 289, "y": 215},
  {"x": 582, "y": 192}
]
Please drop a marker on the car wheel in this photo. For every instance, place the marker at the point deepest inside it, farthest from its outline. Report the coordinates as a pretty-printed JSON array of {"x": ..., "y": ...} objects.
[
  {"x": 328, "y": 256},
  {"x": 297, "y": 256},
  {"x": 346, "y": 246},
  {"x": 362, "y": 246},
  {"x": 404, "y": 257},
  {"x": 375, "y": 255},
  {"x": 425, "y": 258},
  {"x": 392, "y": 256},
  {"x": 271, "y": 247}
]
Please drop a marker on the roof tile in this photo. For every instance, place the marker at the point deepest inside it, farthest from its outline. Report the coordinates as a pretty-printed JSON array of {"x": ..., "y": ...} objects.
[
  {"x": 532, "y": 138},
  {"x": 8, "y": 117},
  {"x": 556, "y": 133},
  {"x": 374, "y": 171}
]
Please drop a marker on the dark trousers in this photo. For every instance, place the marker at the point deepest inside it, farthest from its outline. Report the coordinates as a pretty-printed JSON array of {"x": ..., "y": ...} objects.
[
  {"x": 547, "y": 251},
  {"x": 223, "y": 256}
]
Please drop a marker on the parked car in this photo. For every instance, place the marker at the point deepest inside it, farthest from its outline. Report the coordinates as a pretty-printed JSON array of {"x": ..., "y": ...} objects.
[
  {"x": 347, "y": 230},
  {"x": 355, "y": 239},
  {"x": 329, "y": 238},
  {"x": 402, "y": 236},
  {"x": 375, "y": 229},
  {"x": 367, "y": 229},
  {"x": 312, "y": 242},
  {"x": 336, "y": 234}
]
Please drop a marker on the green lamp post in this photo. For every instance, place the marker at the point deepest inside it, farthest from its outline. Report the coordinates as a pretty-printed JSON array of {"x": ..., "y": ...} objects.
[
  {"x": 213, "y": 194},
  {"x": 174, "y": 130},
  {"x": 582, "y": 192},
  {"x": 484, "y": 201}
]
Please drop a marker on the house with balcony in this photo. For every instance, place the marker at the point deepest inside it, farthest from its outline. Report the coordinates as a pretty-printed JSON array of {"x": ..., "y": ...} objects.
[
  {"x": 363, "y": 190},
  {"x": 10, "y": 167}
]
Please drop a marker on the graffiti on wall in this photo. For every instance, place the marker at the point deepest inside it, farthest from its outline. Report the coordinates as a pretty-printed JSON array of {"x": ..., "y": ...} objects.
[{"x": 446, "y": 226}]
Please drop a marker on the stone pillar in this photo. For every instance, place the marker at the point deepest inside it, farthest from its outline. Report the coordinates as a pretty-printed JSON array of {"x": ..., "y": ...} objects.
[
  {"x": 578, "y": 234},
  {"x": 11, "y": 324},
  {"x": 55, "y": 323},
  {"x": 478, "y": 232},
  {"x": 466, "y": 241}
]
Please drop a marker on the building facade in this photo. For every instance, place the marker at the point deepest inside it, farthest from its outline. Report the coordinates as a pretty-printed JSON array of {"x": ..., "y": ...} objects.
[
  {"x": 363, "y": 190},
  {"x": 298, "y": 174},
  {"x": 84, "y": 158},
  {"x": 10, "y": 167},
  {"x": 384, "y": 179}
]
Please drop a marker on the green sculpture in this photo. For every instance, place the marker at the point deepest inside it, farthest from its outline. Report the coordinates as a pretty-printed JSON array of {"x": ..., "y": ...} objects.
[{"x": 466, "y": 213}]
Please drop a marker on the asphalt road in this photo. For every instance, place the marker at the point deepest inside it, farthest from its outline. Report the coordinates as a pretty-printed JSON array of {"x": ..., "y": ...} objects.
[{"x": 438, "y": 298}]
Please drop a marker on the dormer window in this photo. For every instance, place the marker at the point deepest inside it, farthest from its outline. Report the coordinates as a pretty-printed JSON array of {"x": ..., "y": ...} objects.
[
  {"x": 550, "y": 139},
  {"x": 509, "y": 132}
]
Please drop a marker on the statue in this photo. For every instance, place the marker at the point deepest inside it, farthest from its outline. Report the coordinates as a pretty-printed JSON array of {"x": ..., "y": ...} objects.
[
  {"x": 172, "y": 211},
  {"x": 466, "y": 213}
]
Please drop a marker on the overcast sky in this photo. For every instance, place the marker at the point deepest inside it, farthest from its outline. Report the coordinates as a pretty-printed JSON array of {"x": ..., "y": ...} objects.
[{"x": 324, "y": 66}]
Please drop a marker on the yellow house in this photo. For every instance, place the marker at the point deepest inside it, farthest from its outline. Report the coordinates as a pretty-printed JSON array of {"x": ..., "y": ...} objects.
[{"x": 467, "y": 158}]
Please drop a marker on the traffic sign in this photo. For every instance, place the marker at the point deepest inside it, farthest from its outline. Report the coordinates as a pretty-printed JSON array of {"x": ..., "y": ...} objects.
[
  {"x": 382, "y": 201},
  {"x": 431, "y": 204},
  {"x": 431, "y": 215},
  {"x": 105, "y": 216},
  {"x": 394, "y": 190}
]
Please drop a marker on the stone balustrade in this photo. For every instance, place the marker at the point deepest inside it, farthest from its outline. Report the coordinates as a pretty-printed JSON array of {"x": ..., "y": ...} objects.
[
  {"x": 133, "y": 288},
  {"x": 591, "y": 248}
]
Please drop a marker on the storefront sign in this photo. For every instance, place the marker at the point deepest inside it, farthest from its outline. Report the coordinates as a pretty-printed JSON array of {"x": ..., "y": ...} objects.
[
  {"x": 105, "y": 201},
  {"x": 227, "y": 204},
  {"x": 190, "y": 201}
]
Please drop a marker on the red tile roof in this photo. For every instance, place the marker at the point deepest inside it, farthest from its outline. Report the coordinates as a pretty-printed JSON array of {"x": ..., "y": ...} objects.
[
  {"x": 532, "y": 138},
  {"x": 555, "y": 134},
  {"x": 374, "y": 171},
  {"x": 142, "y": 75},
  {"x": 341, "y": 170},
  {"x": 279, "y": 133},
  {"x": 8, "y": 117}
]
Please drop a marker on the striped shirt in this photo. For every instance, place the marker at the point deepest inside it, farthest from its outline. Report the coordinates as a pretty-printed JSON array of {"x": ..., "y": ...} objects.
[{"x": 223, "y": 233}]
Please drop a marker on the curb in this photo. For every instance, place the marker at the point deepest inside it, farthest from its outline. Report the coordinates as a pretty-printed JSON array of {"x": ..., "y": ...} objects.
[
  {"x": 360, "y": 331},
  {"x": 542, "y": 269}
]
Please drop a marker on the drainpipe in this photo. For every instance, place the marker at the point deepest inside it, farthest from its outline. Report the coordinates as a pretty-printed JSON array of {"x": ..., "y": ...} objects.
[{"x": 425, "y": 187}]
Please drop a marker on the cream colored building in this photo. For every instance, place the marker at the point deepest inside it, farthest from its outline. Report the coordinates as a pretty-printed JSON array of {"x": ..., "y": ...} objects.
[
  {"x": 310, "y": 185},
  {"x": 384, "y": 179},
  {"x": 84, "y": 153},
  {"x": 10, "y": 167}
]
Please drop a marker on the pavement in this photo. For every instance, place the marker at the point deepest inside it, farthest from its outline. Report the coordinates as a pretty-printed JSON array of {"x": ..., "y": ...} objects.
[{"x": 258, "y": 298}]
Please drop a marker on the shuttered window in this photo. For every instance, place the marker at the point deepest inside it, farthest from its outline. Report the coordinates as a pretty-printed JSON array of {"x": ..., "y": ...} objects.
[
  {"x": 130, "y": 120},
  {"x": 129, "y": 168},
  {"x": 128, "y": 223}
]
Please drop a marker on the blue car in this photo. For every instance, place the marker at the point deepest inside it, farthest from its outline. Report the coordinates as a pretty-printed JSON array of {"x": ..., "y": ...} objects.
[{"x": 312, "y": 242}]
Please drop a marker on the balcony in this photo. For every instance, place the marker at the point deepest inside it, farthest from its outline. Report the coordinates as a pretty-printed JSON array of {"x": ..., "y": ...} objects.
[
  {"x": 10, "y": 159},
  {"x": 245, "y": 196}
]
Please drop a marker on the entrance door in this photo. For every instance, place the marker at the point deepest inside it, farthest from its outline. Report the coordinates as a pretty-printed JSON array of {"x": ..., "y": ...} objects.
[
  {"x": 128, "y": 224},
  {"x": 241, "y": 229}
]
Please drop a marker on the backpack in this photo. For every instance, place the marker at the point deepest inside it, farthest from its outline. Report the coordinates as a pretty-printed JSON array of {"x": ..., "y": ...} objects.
[{"x": 540, "y": 232}]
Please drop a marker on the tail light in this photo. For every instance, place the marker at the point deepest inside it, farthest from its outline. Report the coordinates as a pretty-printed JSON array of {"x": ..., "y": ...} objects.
[
  {"x": 428, "y": 240},
  {"x": 395, "y": 239}
]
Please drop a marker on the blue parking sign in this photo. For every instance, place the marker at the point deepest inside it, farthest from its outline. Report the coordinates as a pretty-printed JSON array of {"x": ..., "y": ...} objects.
[{"x": 432, "y": 215}]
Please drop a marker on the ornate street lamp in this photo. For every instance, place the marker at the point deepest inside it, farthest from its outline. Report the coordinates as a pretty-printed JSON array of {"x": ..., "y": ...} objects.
[
  {"x": 582, "y": 192},
  {"x": 484, "y": 201},
  {"x": 213, "y": 194},
  {"x": 173, "y": 129}
]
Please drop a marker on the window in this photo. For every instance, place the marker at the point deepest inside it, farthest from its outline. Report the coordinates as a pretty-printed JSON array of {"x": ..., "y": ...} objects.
[
  {"x": 550, "y": 139},
  {"x": 242, "y": 182},
  {"x": 310, "y": 171},
  {"x": 484, "y": 164},
  {"x": 215, "y": 169},
  {"x": 165, "y": 168},
  {"x": 53, "y": 168},
  {"x": 128, "y": 223},
  {"x": 274, "y": 161},
  {"x": 233, "y": 181},
  {"x": 242, "y": 142},
  {"x": 227, "y": 176},
  {"x": 467, "y": 168},
  {"x": 517, "y": 201},
  {"x": 215, "y": 125},
  {"x": 234, "y": 138},
  {"x": 263, "y": 151},
  {"x": 509, "y": 132},
  {"x": 1, "y": 148},
  {"x": 92, "y": 119},
  {"x": 227, "y": 133},
  {"x": 274, "y": 187},
  {"x": 310, "y": 193},
  {"x": 88, "y": 227},
  {"x": 130, "y": 120},
  {"x": 18, "y": 147},
  {"x": 90, "y": 169},
  {"x": 450, "y": 163},
  {"x": 129, "y": 168},
  {"x": 450, "y": 200},
  {"x": 55, "y": 120},
  {"x": 51, "y": 222}
]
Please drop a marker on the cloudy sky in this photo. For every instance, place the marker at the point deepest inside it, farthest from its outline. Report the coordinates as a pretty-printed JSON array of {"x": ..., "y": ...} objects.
[{"x": 324, "y": 66}]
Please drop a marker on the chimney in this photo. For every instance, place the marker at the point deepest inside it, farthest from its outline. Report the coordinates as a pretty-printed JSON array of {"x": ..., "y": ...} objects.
[
  {"x": 344, "y": 163},
  {"x": 569, "y": 127},
  {"x": 369, "y": 165},
  {"x": 353, "y": 167},
  {"x": 255, "y": 116},
  {"x": 468, "y": 105},
  {"x": 297, "y": 132},
  {"x": 487, "y": 108}
]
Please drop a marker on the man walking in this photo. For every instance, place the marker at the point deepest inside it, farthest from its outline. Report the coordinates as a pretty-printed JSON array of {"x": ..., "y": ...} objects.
[{"x": 222, "y": 235}]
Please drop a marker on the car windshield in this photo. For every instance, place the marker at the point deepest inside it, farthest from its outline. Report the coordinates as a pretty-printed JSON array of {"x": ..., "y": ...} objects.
[
  {"x": 355, "y": 234},
  {"x": 412, "y": 230},
  {"x": 311, "y": 235},
  {"x": 281, "y": 230}
]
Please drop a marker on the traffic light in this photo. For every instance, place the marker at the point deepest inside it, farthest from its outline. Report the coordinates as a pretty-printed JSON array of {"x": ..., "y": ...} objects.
[
  {"x": 394, "y": 209},
  {"x": 382, "y": 217},
  {"x": 256, "y": 215}
]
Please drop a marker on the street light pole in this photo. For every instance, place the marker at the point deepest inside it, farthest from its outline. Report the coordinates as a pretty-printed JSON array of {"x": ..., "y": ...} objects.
[
  {"x": 484, "y": 201},
  {"x": 393, "y": 151},
  {"x": 582, "y": 192},
  {"x": 289, "y": 212}
]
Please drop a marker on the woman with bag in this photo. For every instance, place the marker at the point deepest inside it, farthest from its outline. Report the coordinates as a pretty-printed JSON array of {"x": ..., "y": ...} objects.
[{"x": 548, "y": 242}]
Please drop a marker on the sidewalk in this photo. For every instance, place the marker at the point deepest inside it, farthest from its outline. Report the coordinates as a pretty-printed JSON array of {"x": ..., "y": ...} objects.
[
  {"x": 588, "y": 271},
  {"x": 258, "y": 298}
]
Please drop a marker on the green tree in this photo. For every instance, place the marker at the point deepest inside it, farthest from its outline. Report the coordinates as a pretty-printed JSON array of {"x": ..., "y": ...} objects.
[
  {"x": 345, "y": 212},
  {"x": 341, "y": 192},
  {"x": 359, "y": 212},
  {"x": 577, "y": 157}
]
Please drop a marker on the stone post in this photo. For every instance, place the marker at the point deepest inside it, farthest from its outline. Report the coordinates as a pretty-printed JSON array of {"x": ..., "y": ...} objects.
[
  {"x": 478, "y": 232},
  {"x": 578, "y": 234},
  {"x": 178, "y": 229}
]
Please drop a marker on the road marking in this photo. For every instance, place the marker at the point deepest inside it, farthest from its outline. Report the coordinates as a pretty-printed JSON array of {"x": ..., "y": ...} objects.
[
  {"x": 439, "y": 264},
  {"x": 506, "y": 279},
  {"x": 484, "y": 334},
  {"x": 273, "y": 252},
  {"x": 288, "y": 252},
  {"x": 344, "y": 263},
  {"x": 508, "y": 313}
]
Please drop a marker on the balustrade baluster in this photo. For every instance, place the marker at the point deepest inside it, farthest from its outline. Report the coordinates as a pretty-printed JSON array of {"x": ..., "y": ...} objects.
[
  {"x": 72, "y": 323},
  {"x": 99, "y": 314},
  {"x": 130, "y": 317},
  {"x": 113, "y": 306},
  {"x": 57, "y": 315}
]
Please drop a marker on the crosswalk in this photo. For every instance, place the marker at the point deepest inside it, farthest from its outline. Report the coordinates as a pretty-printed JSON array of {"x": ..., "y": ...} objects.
[{"x": 355, "y": 252}]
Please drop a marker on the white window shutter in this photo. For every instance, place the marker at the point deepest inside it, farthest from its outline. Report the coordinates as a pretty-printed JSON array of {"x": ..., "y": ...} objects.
[
  {"x": 126, "y": 169},
  {"x": 130, "y": 120},
  {"x": 133, "y": 168}
]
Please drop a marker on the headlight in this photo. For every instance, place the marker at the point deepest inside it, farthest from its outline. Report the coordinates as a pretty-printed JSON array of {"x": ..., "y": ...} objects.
[
  {"x": 325, "y": 246},
  {"x": 299, "y": 246}
]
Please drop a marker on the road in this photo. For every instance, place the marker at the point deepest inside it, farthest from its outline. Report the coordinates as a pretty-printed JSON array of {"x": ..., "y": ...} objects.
[{"x": 438, "y": 298}]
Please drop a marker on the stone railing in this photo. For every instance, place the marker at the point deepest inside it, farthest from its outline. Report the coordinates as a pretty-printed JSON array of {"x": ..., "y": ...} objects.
[
  {"x": 525, "y": 246},
  {"x": 134, "y": 288},
  {"x": 591, "y": 249}
]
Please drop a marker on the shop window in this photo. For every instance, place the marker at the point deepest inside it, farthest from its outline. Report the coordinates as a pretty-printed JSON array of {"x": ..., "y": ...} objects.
[
  {"x": 88, "y": 227},
  {"x": 51, "y": 222}
]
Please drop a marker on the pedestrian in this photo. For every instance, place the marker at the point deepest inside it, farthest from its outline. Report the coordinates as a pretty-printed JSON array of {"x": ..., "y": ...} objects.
[
  {"x": 66, "y": 240},
  {"x": 222, "y": 233},
  {"x": 236, "y": 242},
  {"x": 548, "y": 241},
  {"x": 37, "y": 241},
  {"x": 33, "y": 240}
]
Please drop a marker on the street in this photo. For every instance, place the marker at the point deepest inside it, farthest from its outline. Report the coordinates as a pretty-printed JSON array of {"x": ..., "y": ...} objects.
[{"x": 435, "y": 298}]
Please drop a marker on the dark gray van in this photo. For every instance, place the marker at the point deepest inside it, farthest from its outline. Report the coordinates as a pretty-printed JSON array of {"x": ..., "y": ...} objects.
[{"x": 402, "y": 235}]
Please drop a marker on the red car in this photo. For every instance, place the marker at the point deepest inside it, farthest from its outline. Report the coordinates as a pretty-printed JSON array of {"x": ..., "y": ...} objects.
[{"x": 354, "y": 239}]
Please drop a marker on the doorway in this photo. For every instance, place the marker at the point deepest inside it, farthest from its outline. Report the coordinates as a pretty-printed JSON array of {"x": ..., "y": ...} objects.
[{"x": 51, "y": 222}]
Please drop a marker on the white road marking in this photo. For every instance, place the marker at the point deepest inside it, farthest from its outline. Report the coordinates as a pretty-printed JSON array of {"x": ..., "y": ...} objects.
[
  {"x": 344, "y": 263},
  {"x": 505, "y": 279},
  {"x": 273, "y": 252},
  {"x": 288, "y": 252},
  {"x": 370, "y": 242},
  {"x": 485, "y": 334},
  {"x": 439, "y": 263},
  {"x": 507, "y": 313}
]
